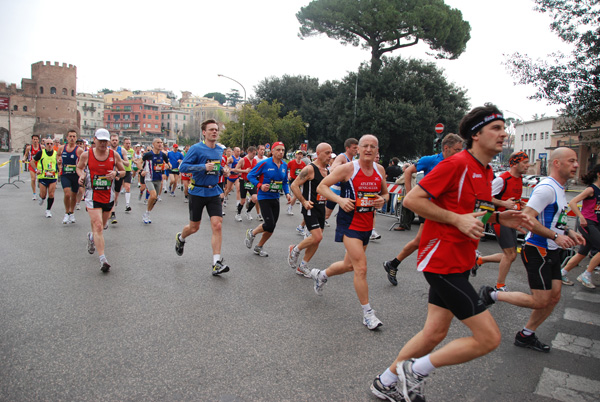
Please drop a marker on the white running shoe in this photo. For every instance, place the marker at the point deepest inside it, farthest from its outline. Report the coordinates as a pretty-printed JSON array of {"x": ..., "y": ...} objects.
[
  {"x": 159, "y": 199},
  {"x": 249, "y": 238},
  {"x": 238, "y": 217},
  {"x": 146, "y": 218},
  {"x": 303, "y": 270},
  {"x": 259, "y": 217},
  {"x": 66, "y": 219},
  {"x": 586, "y": 280},
  {"x": 258, "y": 250},
  {"x": 34, "y": 197},
  {"x": 78, "y": 207},
  {"x": 48, "y": 214},
  {"x": 248, "y": 216},
  {"x": 300, "y": 230},
  {"x": 289, "y": 210},
  {"x": 40, "y": 201},
  {"x": 370, "y": 321},
  {"x": 72, "y": 218},
  {"x": 319, "y": 283},
  {"x": 375, "y": 235},
  {"x": 326, "y": 223},
  {"x": 293, "y": 256}
]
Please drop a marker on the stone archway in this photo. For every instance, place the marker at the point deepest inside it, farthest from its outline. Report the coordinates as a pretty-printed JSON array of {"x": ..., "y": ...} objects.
[{"x": 4, "y": 140}]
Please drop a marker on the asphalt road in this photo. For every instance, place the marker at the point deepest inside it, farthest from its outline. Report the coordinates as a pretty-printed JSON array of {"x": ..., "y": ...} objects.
[{"x": 159, "y": 327}]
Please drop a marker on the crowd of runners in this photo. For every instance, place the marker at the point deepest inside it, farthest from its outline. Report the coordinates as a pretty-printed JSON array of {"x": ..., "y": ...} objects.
[{"x": 458, "y": 196}]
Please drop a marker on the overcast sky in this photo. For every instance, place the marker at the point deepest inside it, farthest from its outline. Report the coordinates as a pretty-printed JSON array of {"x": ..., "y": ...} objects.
[{"x": 182, "y": 45}]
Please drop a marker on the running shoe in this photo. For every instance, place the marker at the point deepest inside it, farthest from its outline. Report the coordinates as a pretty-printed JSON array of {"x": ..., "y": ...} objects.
[
  {"x": 77, "y": 206},
  {"x": 586, "y": 280},
  {"x": 248, "y": 216},
  {"x": 238, "y": 217},
  {"x": 382, "y": 392},
  {"x": 113, "y": 219},
  {"x": 476, "y": 265},
  {"x": 40, "y": 201},
  {"x": 531, "y": 342},
  {"x": 293, "y": 256},
  {"x": 66, "y": 219},
  {"x": 501, "y": 288},
  {"x": 145, "y": 202},
  {"x": 259, "y": 217},
  {"x": 219, "y": 268},
  {"x": 140, "y": 195},
  {"x": 127, "y": 208},
  {"x": 485, "y": 296},
  {"x": 159, "y": 199},
  {"x": 224, "y": 203},
  {"x": 300, "y": 230},
  {"x": 566, "y": 280},
  {"x": 258, "y": 250},
  {"x": 303, "y": 270},
  {"x": 185, "y": 200},
  {"x": 34, "y": 197},
  {"x": 319, "y": 283},
  {"x": 249, "y": 238},
  {"x": 72, "y": 218},
  {"x": 410, "y": 384},
  {"x": 146, "y": 217},
  {"x": 375, "y": 235},
  {"x": 179, "y": 244},
  {"x": 289, "y": 210},
  {"x": 391, "y": 272},
  {"x": 326, "y": 223},
  {"x": 172, "y": 194},
  {"x": 370, "y": 321},
  {"x": 165, "y": 191},
  {"x": 105, "y": 266},
  {"x": 91, "y": 247},
  {"x": 48, "y": 214}
]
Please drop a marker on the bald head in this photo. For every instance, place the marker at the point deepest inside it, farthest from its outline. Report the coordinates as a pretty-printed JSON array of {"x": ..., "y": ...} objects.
[
  {"x": 368, "y": 137},
  {"x": 323, "y": 146},
  {"x": 563, "y": 164},
  {"x": 561, "y": 153}
]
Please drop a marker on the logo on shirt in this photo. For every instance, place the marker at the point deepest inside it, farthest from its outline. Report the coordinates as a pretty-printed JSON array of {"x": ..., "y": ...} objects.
[{"x": 477, "y": 176}]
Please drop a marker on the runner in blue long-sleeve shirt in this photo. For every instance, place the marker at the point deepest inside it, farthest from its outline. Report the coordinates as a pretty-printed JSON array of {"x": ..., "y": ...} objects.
[{"x": 269, "y": 176}]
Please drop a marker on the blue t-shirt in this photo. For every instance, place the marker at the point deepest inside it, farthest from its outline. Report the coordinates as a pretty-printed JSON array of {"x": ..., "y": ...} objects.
[
  {"x": 267, "y": 172},
  {"x": 427, "y": 163},
  {"x": 174, "y": 158},
  {"x": 203, "y": 183}
]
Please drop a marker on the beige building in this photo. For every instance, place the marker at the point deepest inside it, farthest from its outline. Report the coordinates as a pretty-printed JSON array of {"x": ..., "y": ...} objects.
[
  {"x": 91, "y": 110},
  {"x": 174, "y": 121}
]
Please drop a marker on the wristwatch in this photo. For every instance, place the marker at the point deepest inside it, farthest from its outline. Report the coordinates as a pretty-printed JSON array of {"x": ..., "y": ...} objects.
[{"x": 555, "y": 235}]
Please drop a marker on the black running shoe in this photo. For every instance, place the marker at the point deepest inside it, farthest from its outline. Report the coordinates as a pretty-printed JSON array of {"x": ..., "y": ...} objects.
[
  {"x": 127, "y": 208},
  {"x": 179, "y": 244},
  {"x": 219, "y": 268},
  {"x": 105, "y": 267},
  {"x": 391, "y": 272},
  {"x": 382, "y": 392},
  {"x": 531, "y": 342},
  {"x": 485, "y": 296}
]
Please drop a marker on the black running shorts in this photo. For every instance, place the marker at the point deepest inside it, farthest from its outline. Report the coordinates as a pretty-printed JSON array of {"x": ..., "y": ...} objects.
[
  {"x": 542, "y": 266},
  {"x": 197, "y": 204},
  {"x": 454, "y": 292}
]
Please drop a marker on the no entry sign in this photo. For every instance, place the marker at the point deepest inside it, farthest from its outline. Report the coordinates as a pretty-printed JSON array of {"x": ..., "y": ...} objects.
[{"x": 439, "y": 128}]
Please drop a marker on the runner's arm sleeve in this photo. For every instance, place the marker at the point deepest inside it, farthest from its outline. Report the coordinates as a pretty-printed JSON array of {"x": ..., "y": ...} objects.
[
  {"x": 497, "y": 185},
  {"x": 191, "y": 162},
  {"x": 541, "y": 197}
]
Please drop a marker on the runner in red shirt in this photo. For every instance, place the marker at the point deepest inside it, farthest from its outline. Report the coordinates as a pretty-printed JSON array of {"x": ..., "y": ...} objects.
[
  {"x": 30, "y": 152},
  {"x": 248, "y": 191},
  {"x": 455, "y": 199},
  {"x": 295, "y": 166},
  {"x": 363, "y": 189},
  {"x": 97, "y": 170}
]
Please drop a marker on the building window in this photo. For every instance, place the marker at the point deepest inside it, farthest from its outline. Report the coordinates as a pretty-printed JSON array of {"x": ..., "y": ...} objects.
[
  {"x": 117, "y": 125},
  {"x": 41, "y": 90},
  {"x": 156, "y": 126},
  {"x": 532, "y": 155},
  {"x": 15, "y": 108},
  {"x": 546, "y": 135},
  {"x": 136, "y": 117},
  {"x": 52, "y": 91},
  {"x": 521, "y": 138},
  {"x": 64, "y": 91},
  {"x": 24, "y": 108},
  {"x": 534, "y": 135}
]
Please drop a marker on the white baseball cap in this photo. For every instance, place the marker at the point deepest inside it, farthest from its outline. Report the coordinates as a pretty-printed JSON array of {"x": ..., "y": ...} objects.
[{"x": 102, "y": 134}]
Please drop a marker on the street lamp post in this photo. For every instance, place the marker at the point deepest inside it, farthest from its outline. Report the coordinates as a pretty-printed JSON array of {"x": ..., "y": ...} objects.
[{"x": 243, "y": 107}]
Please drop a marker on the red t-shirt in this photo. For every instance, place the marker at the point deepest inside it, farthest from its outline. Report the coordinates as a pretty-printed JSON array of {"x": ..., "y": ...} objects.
[
  {"x": 457, "y": 184},
  {"x": 295, "y": 168},
  {"x": 512, "y": 187},
  {"x": 247, "y": 163},
  {"x": 102, "y": 188}
]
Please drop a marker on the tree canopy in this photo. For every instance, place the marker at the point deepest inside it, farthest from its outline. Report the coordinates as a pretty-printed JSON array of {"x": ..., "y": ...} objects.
[
  {"x": 400, "y": 104},
  {"x": 572, "y": 80},
  {"x": 265, "y": 125},
  {"x": 218, "y": 96},
  {"x": 233, "y": 97},
  {"x": 386, "y": 25}
]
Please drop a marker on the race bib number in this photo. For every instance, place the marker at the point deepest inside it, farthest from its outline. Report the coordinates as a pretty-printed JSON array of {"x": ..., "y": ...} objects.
[
  {"x": 175, "y": 170},
  {"x": 597, "y": 208},
  {"x": 365, "y": 202},
  {"x": 321, "y": 199},
  {"x": 159, "y": 167},
  {"x": 561, "y": 222},
  {"x": 275, "y": 186},
  {"x": 100, "y": 183},
  {"x": 216, "y": 168},
  {"x": 49, "y": 175},
  {"x": 298, "y": 172},
  {"x": 69, "y": 169},
  {"x": 484, "y": 206},
  {"x": 248, "y": 185}
]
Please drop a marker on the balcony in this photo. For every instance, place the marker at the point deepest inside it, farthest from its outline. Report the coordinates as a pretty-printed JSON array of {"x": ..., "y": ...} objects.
[{"x": 89, "y": 108}]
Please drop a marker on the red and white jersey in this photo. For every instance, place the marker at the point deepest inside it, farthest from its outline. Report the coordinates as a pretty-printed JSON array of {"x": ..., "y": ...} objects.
[
  {"x": 460, "y": 184},
  {"x": 247, "y": 163},
  {"x": 98, "y": 186},
  {"x": 507, "y": 186}
]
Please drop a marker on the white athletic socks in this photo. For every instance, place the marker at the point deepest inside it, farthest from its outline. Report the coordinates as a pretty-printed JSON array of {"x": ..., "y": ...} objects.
[
  {"x": 423, "y": 366},
  {"x": 366, "y": 308},
  {"x": 388, "y": 378},
  {"x": 216, "y": 257}
]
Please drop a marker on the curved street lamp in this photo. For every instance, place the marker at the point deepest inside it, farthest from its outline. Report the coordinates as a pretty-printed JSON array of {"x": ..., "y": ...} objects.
[{"x": 243, "y": 107}]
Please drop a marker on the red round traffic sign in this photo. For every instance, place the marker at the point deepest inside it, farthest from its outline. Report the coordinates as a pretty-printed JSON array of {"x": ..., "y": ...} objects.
[{"x": 439, "y": 128}]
